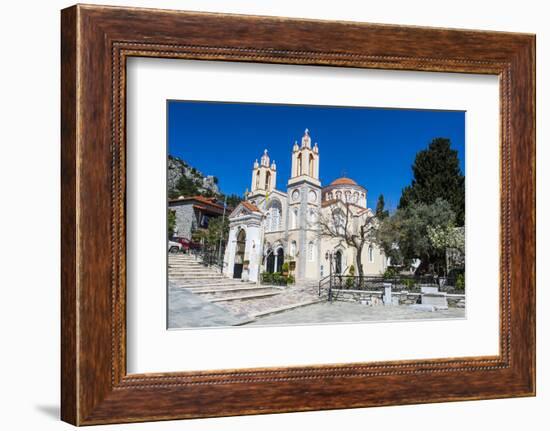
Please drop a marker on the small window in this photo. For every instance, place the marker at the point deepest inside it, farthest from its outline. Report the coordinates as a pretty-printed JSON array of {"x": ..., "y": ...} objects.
[
  {"x": 295, "y": 218},
  {"x": 371, "y": 254},
  {"x": 311, "y": 251}
]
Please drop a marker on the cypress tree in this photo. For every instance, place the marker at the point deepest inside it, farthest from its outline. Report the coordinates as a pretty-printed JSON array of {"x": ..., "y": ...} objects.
[{"x": 437, "y": 174}]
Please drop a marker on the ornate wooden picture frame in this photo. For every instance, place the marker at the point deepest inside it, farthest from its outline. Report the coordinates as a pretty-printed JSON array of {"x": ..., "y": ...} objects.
[{"x": 96, "y": 42}]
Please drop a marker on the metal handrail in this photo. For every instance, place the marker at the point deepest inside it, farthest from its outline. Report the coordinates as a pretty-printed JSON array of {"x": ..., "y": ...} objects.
[{"x": 209, "y": 258}]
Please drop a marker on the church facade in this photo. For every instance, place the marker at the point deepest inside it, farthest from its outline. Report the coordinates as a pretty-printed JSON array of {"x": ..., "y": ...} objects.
[{"x": 300, "y": 225}]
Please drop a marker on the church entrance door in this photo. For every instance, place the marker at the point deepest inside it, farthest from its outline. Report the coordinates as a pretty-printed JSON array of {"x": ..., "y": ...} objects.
[
  {"x": 239, "y": 254},
  {"x": 338, "y": 262},
  {"x": 270, "y": 264},
  {"x": 280, "y": 259}
]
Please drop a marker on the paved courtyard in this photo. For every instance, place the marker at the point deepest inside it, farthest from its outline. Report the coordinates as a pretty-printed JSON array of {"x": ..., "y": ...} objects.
[
  {"x": 342, "y": 312},
  {"x": 189, "y": 310},
  {"x": 200, "y": 296}
]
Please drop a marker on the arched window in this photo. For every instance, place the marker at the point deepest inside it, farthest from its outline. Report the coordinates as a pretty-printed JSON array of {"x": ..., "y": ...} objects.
[
  {"x": 312, "y": 215},
  {"x": 371, "y": 254},
  {"x": 299, "y": 165},
  {"x": 273, "y": 217},
  {"x": 339, "y": 221},
  {"x": 348, "y": 196},
  {"x": 268, "y": 218},
  {"x": 311, "y": 251},
  {"x": 355, "y": 197},
  {"x": 338, "y": 195},
  {"x": 267, "y": 180},
  {"x": 258, "y": 179},
  {"x": 295, "y": 218},
  {"x": 293, "y": 248},
  {"x": 311, "y": 173}
]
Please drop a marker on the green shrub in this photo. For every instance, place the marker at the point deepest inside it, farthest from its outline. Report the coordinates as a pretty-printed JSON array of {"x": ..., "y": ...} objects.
[
  {"x": 390, "y": 272},
  {"x": 410, "y": 283},
  {"x": 285, "y": 267},
  {"x": 267, "y": 277},
  {"x": 277, "y": 278},
  {"x": 349, "y": 282},
  {"x": 460, "y": 283}
]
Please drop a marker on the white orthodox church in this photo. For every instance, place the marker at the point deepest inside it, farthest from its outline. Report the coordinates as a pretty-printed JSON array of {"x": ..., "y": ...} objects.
[{"x": 272, "y": 226}]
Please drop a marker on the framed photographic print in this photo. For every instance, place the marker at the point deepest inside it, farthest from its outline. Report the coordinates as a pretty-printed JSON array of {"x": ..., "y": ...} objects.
[{"x": 268, "y": 215}]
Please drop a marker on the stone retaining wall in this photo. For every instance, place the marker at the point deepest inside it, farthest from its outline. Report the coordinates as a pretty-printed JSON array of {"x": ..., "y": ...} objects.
[
  {"x": 368, "y": 297},
  {"x": 374, "y": 297},
  {"x": 456, "y": 300},
  {"x": 406, "y": 298}
]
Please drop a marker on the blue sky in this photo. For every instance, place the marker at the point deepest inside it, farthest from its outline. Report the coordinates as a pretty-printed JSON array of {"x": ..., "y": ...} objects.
[{"x": 376, "y": 147}]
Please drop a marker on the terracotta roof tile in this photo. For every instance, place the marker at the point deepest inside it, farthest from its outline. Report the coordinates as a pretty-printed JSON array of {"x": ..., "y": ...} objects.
[
  {"x": 250, "y": 206},
  {"x": 202, "y": 199},
  {"x": 343, "y": 180}
]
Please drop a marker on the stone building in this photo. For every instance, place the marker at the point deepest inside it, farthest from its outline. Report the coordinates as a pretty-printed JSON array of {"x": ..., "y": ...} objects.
[
  {"x": 193, "y": 212},
  {"x": 273, "y": 226}
]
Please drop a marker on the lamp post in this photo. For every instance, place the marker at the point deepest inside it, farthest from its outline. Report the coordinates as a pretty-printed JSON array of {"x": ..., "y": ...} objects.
[
  {"x": 220, "y": 260},
  {"x": 329, "y": 256}
]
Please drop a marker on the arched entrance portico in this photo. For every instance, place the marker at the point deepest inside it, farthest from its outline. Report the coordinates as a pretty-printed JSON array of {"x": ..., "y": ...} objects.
[{"x": 239, "y": 254}]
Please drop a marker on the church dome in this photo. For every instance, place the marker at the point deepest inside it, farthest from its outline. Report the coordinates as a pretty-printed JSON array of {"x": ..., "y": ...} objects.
[
  {"x": 343, "y": 181},
  {"x": 346, "y": 190}
]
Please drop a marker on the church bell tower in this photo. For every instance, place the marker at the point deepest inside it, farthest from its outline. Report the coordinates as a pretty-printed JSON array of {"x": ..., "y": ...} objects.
[
  {"x": 305, "y": 161},
  {"x": 264, "y": 176},
  {"x": 304, "y": 203}
]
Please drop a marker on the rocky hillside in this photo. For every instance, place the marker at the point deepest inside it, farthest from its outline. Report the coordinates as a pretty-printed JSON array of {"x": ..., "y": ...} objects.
[{"x": 188, "y": 181}]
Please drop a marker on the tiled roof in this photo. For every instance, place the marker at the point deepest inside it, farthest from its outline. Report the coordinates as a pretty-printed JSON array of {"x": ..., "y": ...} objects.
[
  {"x": 250, "y": 206},
  {"x": 202, "y": 199},
  {"x": 343, "y": 180}
]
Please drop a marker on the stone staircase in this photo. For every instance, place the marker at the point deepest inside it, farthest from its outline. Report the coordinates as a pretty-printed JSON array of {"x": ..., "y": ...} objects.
[
  {"x": 185, "y": 271},
  {"x": 238, "y": 297}
]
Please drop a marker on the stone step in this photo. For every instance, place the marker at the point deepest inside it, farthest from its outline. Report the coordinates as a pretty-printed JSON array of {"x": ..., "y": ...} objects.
[
  {"x": 192, "y": 271},
  {"x": 285, "y": 308},
  {"x": 212, "y": 284},
  {"x": 225, "y": 289},
  {"x": 218, "y": 285},
  {"x": 186, "y": 265},
  {"x": 244, "y": 297},
  {"x": 183, "y": 258},
  {"x": 195, "y": 277}
]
